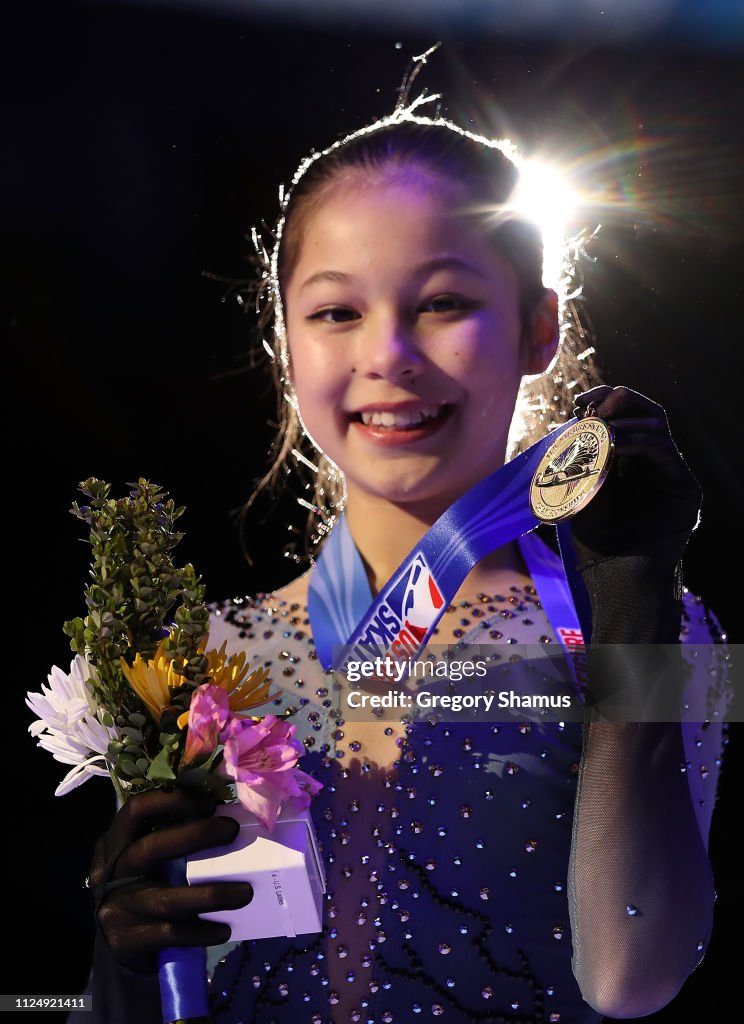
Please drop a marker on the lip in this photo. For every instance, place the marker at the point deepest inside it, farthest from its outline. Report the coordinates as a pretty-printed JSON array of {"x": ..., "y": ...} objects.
[
  {"x": 414, "y": 403},
  {"x": 390, "y": 437}
]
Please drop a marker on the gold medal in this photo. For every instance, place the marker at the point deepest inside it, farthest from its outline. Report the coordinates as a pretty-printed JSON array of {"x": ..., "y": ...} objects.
[{"x": 572, "y": 469}]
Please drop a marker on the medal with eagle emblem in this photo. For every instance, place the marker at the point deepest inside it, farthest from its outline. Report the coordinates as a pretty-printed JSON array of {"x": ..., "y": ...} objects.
[{"x": 572, "y": 469}]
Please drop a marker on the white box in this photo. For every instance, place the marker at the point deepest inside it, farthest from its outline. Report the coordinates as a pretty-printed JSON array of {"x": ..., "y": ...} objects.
[{"x": 284, "y": 867}]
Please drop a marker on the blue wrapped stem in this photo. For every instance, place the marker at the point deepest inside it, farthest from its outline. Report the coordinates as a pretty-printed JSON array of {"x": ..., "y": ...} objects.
[{"x": 182, "y": 971}]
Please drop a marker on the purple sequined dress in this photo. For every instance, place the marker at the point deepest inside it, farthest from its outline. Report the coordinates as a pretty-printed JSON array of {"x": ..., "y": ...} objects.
[{"x": 447, "y": 873}]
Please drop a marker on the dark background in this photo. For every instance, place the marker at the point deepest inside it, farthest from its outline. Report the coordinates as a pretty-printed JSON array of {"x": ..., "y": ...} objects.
[{"x": 139, "y": 145}]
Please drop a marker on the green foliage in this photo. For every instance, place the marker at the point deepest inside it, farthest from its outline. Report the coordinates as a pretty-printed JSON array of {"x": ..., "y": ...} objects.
[
  {"x": 136, "y": 597},
  {"x": 160, "y": 769}
]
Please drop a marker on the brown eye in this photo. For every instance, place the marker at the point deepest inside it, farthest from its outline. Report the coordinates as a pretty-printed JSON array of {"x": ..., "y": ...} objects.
[
  {"x": 334, "y": 315},
  {"x": 447, "y": 303}
]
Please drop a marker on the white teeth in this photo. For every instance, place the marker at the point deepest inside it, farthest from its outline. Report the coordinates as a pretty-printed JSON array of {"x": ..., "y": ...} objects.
[{"x": 404, "y": 418}]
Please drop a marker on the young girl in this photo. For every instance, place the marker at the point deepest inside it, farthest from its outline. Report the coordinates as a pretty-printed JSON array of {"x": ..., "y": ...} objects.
[{"x": 523, "y": 871}]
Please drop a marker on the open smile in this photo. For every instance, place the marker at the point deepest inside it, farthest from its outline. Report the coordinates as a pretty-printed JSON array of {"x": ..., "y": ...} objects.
[{"x": 404, "y": 425}]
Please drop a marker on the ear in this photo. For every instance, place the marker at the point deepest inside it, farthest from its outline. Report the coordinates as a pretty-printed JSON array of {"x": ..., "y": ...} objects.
[{"x": 542, "y": 334}]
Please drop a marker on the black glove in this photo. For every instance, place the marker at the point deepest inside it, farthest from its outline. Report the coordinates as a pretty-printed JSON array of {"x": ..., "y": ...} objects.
[
  {"x": 629, "y": 543},
  {"x": 650, "y": 501},
  {"x": 137, "y": 913},
  {"x": 630, "y": 538}
]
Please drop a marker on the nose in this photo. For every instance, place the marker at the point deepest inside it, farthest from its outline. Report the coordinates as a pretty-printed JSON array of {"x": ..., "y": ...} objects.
[{"x": 389, "y": 351}]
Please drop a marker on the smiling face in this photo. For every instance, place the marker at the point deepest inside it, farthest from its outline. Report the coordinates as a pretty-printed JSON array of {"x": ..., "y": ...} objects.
[{"x": 405, "y": 340}]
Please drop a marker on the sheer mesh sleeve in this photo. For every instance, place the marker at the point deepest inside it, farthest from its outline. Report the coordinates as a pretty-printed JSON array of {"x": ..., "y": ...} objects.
[
  {"x": 640, "y": 884},
  {"x": 119, "y": 995}
]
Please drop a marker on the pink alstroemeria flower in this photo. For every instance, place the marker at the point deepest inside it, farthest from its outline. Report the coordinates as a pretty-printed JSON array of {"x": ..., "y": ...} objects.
[
  {"x": 261, "y": 757},
  {"x": 209, "y": 715},
  {"x": 307, "y": 787}
]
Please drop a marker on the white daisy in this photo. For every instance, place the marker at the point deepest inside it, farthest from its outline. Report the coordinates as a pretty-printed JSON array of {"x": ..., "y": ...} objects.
[
  {"x": 66, "y": 700},
  {"x": 69, "y": 724}
]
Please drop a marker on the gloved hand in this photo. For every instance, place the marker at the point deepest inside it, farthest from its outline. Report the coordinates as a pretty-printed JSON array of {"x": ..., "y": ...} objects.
[
  {"x": 137, "y": 913},
  {"x": 630, "y": 538}
]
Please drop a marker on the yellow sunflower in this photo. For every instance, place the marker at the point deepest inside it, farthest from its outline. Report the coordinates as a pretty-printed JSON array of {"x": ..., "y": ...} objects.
[
  {"x": 243, "y": 691},
  {"x": 153, "y": 680}
]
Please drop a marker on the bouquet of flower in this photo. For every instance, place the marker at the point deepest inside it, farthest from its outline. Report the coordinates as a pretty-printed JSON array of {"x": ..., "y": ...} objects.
[{"x": 146, "y": 701}]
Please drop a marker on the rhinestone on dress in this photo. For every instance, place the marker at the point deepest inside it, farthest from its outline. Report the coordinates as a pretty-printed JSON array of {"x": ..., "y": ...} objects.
[{"x": 392, "y": 884}]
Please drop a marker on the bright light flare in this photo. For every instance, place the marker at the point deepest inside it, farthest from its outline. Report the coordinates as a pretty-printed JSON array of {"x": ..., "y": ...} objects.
[{"x": 544, "y": 196}]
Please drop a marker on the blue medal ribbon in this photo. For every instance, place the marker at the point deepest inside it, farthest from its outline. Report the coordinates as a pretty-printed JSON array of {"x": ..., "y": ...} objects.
[{"x": 401, "y": 618}]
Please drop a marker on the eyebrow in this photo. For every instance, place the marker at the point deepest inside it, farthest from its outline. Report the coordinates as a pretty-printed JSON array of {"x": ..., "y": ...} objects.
[
  {"x": 327, "y": 275},
  {"x": 438, "y": 263},
  {"x": 449, "y": 263}
]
